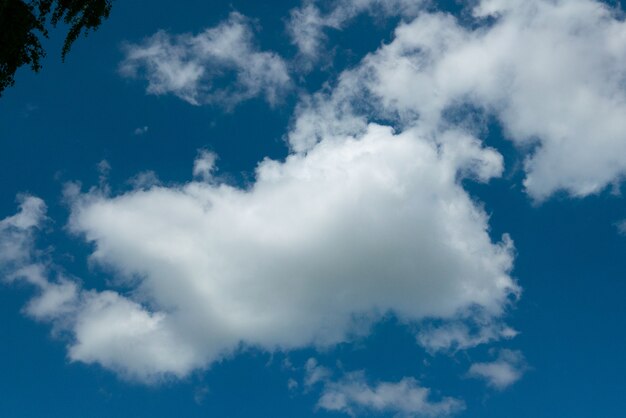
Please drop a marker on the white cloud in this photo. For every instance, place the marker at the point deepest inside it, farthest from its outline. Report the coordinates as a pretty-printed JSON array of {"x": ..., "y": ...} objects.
[
  {"x": 319, "y": 245},
  {"x": 105, "y": 327},
  {"x": 144, "y": 180},
  {"x": 19, "y": 261},
  {"x": 204, "y": 165},
  {"x": 552, "y": 72},
  {"x": 405, "y": 398},
  {"x": 359, "y": 221},
  {"x": 462, "y": 335},
  {"x": 307, "y": 24},
  {"x": 314, "y": 373},
  {"x": 501, "y": 373},
  {"x": 192, "y": 66},
  {"x": 16, "y": 232},
  {"x": 327, "y": 114},
  {"x": 121, "y": 335},
  {"x": 305, "y": 27},
  {"x": 54, "y": 300},
  {"x": 292, "y": 384}
]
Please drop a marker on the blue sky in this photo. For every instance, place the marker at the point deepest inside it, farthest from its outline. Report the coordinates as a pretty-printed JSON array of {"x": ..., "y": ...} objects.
[{"x": 322, "y": 208}]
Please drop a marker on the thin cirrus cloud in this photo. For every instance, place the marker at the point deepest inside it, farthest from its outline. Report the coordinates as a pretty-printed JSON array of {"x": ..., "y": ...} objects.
[
  {"x": 552, "y": 72},
  {"x": 192, "y": 66}
]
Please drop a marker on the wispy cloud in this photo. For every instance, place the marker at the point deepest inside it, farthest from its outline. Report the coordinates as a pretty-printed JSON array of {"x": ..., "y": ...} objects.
[
  {"x": 194, "y": 67},
  {"x": 507, "y": 369},
  {"x": 307, "y": 25},
  {"x": 353, "y": 395},
  {"x": 142, "y": 130}
]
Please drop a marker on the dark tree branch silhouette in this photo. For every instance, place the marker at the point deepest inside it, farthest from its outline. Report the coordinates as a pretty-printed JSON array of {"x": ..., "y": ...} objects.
[{"x": 22, "y": 22}]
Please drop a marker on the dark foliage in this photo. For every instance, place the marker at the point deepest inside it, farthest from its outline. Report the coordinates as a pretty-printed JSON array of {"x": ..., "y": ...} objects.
[{"x": 22, "y": 22}]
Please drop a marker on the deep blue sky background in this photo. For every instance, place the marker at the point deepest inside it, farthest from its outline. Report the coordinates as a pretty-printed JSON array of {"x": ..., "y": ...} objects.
[{"x": 57, "y": 125}]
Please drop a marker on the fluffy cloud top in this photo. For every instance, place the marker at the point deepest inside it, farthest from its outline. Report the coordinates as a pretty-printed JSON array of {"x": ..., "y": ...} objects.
[
  {"x": 319, "y": 247},
  {"x": 190, "y": 66},
  {"x": 552, "y": 72}
]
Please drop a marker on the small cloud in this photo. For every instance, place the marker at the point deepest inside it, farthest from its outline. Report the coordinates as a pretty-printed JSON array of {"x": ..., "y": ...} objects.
[
  {"x": 104, "y": 169},
  {"x": 455, "y": 336},
  {"x": 292, "y": 384},
  {"x": 193, "y": 67},
  {"x": 200, "y": 394},
  {"x": 144, "y": 180},
  {"x": 204, "y": 165},
  {"x": 621, "y": 227},
  {"x": 314, "y": 373},
  {"x": 354, "y": 396},
  {"x": 142, "y": 130},
  {"x": 509, "y": 367},
  {"x": 288, "y": 365},
  {"x": 307, "y": 25},
  {"x": 29, "y": 109}
]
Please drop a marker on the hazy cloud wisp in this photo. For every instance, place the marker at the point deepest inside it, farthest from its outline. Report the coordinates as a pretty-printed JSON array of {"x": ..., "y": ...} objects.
[{"x": 192, "y": 66}]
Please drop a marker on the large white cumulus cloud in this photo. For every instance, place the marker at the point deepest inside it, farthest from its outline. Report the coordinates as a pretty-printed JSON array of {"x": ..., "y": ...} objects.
[
  {"x": 552, "y": 71},
  {"x": 316, "y": 249}
]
